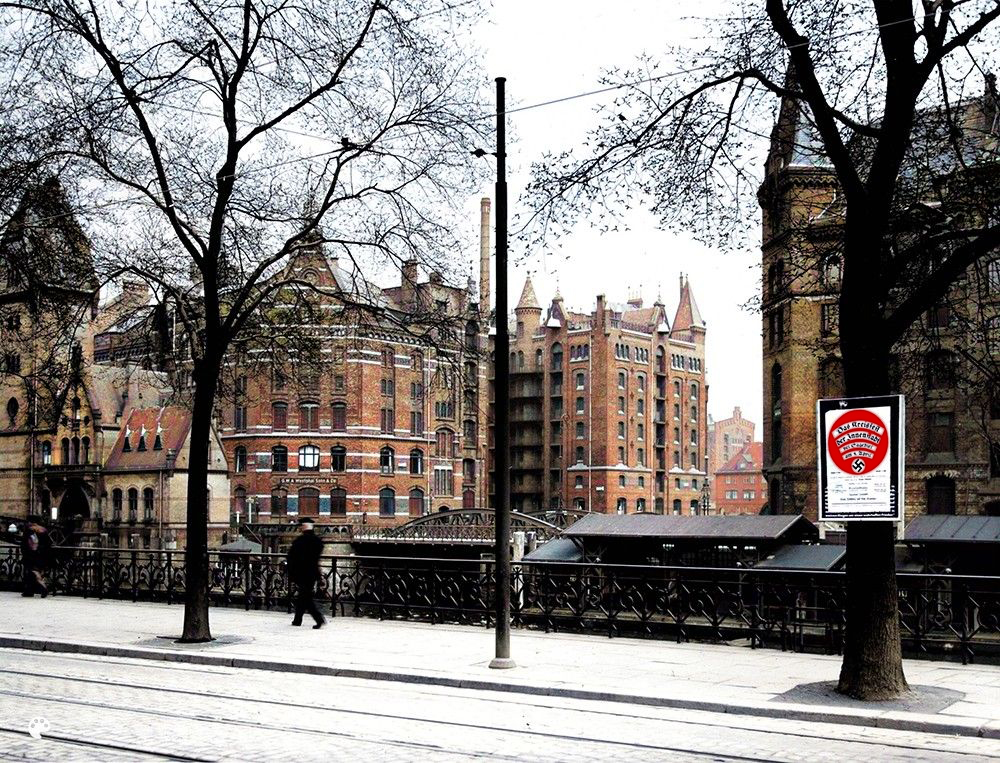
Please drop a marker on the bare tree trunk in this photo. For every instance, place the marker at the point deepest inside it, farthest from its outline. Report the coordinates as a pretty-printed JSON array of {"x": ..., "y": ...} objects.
[
  {"x": 873, "y": 661},
  {"x": 196, "y": 625},
  {"x": 873, "y": 658}
]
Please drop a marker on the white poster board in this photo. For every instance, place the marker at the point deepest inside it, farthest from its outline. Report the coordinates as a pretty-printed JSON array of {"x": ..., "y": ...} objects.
[{"x": 860, "y": 458}]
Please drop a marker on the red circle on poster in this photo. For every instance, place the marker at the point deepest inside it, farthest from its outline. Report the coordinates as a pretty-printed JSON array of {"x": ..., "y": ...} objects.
[{"x": 858, "y": 442}]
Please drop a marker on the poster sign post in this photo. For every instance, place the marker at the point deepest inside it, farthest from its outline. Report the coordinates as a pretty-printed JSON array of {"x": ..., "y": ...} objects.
[{"x": 861, "y": 452}]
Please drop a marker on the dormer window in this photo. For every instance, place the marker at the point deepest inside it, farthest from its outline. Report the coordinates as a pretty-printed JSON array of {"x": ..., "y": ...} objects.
[
  {"x": 158, "y": 442},
  {"x": 127, "y": 446},
  {"x": 142, "y": 443}
]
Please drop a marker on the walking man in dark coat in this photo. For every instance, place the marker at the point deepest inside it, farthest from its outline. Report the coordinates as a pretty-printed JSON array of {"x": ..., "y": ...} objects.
[
  {"x": 35, "y": 548},
  {"x": 303, "y": 570}
]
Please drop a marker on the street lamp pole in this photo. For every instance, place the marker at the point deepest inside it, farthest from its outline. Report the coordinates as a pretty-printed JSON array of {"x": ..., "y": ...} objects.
[{"x": 501, "y": 418}]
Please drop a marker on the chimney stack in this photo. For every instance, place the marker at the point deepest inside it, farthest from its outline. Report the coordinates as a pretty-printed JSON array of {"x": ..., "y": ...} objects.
[{"x": 484, "y": 256}]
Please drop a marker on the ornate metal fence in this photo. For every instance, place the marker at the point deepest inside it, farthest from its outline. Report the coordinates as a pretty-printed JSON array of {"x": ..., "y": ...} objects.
[{"x": 940, "y": 614}]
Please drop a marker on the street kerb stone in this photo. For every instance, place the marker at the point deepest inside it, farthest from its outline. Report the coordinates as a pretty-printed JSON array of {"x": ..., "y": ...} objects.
[{"x": 867, "y": 716}]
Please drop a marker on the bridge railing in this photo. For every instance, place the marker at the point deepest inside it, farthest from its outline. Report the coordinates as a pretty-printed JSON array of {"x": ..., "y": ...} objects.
[{"x": 946, "y": 615}]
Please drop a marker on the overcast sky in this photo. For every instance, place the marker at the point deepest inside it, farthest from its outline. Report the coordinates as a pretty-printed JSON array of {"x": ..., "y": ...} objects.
[{"x": 552, "y": 48}]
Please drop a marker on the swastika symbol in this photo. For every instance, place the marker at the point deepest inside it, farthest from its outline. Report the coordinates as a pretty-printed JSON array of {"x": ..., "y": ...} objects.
[{"x": 858, "y": 465}]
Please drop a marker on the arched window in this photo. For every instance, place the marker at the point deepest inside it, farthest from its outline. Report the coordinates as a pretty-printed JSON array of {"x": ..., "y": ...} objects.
[
  {"x": 468, "y": 469},
  {"x": 444, "y": 444},
  {"x": 939, "y": 369},
  {"x": 46, "y": 453},
  {"x": 416, "y": 461},
  {"x": 116, "y": 504},
  {"x": 85, "y": 442},
  {"x": 308, "y": 502},
  {"x": 520, "y": 359},
  {"x": 581, "y": 430},
  {"x": 12, "y": 408},
  {"x": 75, "y": 455},
  {"x": 470, "y": 335},
  {"x": 338, "y": 458},
  {"x": 279, "y": 502},
  {"x": 557, "y": 356},
  {"x": 279, "y": 416},
  {"x": 76, "y": 409},
  {"x": 133, "y": 504},
  {"x": 308, "y": 417},
  {"x": 661, "y": 363},
  {"x": 338, "y": 502},
  {"x": 279, "y": 458},
  {"x": 387, "y": 460},
  {"x": 538, "y": 359},
  {"x": 940, "y": 495},
  {"x": 677, "y": 506},
  {"x": 387, "y": 502},
  {"x": 240, "y": 459},
  {"x": 309, "y": 458},
  {"x": 694, "y": 390},
  {"x": 338, "y": 417},
  {"x": 416, "y": 503},
  {"x": 147, "y": 504},
  {"x": 580, "y": 457},
  {"x": 240, "y": 502},
  {"x": 831, "y": 271},
  {"x": 417, "y": 361}
]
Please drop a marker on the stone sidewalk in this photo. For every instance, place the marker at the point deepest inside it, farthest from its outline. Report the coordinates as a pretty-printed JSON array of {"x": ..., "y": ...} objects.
[{"x": 947, "y": 697}]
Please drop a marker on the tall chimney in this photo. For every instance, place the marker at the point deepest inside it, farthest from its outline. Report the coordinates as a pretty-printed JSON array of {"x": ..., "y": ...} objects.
[{"x": 484, "y": 256}]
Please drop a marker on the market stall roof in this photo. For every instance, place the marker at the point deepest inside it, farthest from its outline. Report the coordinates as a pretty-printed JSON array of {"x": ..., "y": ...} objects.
[
  {"x": 826, "y": 557},
  {"x": 556, "y": 550},
  {"x": 748, "y": 527},
  {"x": 945, "y": 528}
]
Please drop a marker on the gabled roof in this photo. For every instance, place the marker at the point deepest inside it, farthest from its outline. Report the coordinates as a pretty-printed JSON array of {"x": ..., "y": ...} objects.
[
  {"x": 528, "y": 299},
  {"x": 172, "y": 423},
  {"x": 749, "y": 458},
  {"x": 668, "y": 526},
  {"x": 43, "y": 245}
]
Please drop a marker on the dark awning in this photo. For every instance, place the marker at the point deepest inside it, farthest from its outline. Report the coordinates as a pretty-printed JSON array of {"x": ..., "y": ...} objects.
[
  {"x": 556, "y": 550},
  {"x": 943, "y": 528},
  {"x": 805, "y": 558},
  {"x": 751, "y": 527}
]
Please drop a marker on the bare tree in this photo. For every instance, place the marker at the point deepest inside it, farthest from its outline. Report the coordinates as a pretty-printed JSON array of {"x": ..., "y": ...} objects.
[
  {"x": 218, "y": 137},
  {"x": 900, "y": 110}
]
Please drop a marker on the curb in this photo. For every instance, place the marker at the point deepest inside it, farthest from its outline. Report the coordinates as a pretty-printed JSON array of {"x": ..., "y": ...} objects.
[{"x": 894, "y": 720}]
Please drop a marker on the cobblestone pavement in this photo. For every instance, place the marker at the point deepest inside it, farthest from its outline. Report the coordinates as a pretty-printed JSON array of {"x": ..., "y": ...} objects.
[{"x": 116, "y": 709}]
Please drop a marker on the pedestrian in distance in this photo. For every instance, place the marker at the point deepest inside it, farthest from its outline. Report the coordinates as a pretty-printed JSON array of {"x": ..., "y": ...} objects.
[
  {"x": 35, "y": 552},
  {"x": 303, "y": 570}
]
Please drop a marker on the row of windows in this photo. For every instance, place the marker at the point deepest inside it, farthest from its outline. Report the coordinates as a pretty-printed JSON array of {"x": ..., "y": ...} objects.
[
  {"x": 579, "y": 352},
  {"x": 625, "y": 352},
  {"x": 309, "y": 418},
  {"x": 685, "y": 363},
  {"x": 734, "y": 495},
  {"x": 117, "y": 499},
  {"x": 75, "y": 451},
  {"x": 308, "y": 501},
  {"x": 309, "y": 460}
]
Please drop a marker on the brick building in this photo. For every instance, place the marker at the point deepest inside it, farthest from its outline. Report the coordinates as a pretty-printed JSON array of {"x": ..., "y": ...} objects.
[
  {"x": 378, "y": 424},
  {"x": 608, "y": 408},
  {"x": 725, "y": 438},
  {"x": 67, "y": 417},
  {"x": 738, "y": 485},
  {"x": 946, "y": 365}
]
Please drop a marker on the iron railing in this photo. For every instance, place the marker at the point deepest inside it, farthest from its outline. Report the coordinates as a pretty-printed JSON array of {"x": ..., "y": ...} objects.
[{"x": 944, "y": 615}]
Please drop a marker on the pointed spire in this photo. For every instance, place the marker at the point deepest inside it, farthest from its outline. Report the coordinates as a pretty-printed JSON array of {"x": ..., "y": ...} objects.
[
  {"x": 688, "y": 318},
  {"x": 528, "y": 299}
]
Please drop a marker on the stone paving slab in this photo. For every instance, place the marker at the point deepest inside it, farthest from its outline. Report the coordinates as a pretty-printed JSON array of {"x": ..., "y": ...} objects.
[{"x": 949, "y": 698}]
